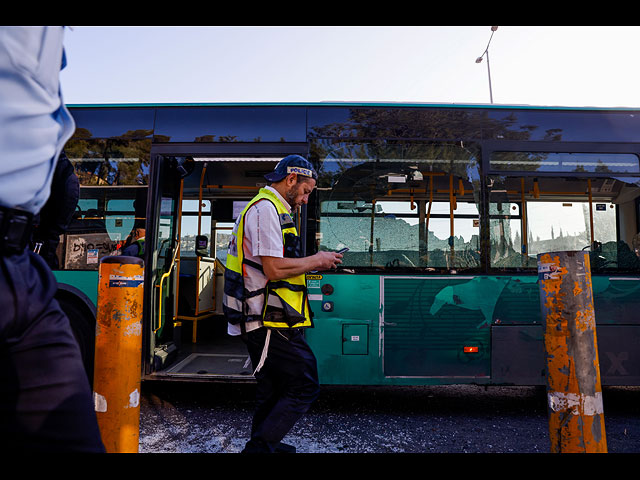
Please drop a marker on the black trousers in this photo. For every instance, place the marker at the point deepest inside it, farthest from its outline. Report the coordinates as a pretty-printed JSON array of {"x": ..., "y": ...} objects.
[
  {"x": 45, "y": 398},
  {"x": 287, "y": 384}
]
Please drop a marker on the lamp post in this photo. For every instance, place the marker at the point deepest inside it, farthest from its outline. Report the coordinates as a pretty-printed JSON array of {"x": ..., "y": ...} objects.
[{"x": 479, "y": 59}]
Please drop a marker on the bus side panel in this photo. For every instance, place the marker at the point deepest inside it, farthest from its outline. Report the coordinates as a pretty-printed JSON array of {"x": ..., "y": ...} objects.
[
  {"x": 345, "y": 334},
  {"x": 438, "y": 326},
  {"x": 517, "y": 333},
  {"x": 415, "y": 333},
  {"x": 84, "y": 280},
  {"x": 518, "y": 355},
  {"x": 517, "y": 348},
  {"x": 619, "y": 354},
  {"x": 617, "y": 303},
  {"x": 354, "y": 346},
  {"x": 77, "y": 296}
]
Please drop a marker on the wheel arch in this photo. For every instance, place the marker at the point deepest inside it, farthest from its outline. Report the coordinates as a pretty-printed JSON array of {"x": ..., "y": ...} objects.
[{"x": 82, "y": 315}]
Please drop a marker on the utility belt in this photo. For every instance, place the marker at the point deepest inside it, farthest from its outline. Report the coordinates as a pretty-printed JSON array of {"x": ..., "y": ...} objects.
[
  {"x": 274, "y": 315},
  {"x": 16, "y": 227}
]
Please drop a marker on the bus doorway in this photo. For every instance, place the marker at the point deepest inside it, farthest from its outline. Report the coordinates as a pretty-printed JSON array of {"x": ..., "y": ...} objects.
[{"x": 189, "y": 331}]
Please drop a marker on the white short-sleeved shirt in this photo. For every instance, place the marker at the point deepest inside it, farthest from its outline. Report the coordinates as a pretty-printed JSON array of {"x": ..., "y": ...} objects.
[{"x": 262, "y": 237}]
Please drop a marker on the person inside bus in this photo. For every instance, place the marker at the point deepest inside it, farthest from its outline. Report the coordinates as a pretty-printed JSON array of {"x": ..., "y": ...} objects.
[
  {"x": 135, "y": 248},
  {"x": 46, "y": 403},
  {"x": 265, "y": 259}
]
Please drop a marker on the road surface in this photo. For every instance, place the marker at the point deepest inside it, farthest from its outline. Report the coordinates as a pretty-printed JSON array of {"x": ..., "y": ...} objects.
[{"x": 215, "y": 418}]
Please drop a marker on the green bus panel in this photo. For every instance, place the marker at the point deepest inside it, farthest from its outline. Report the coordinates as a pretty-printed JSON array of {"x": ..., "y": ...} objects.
[
  {"x": 377, "y": 330},
  {"x": 428, "y": 323},
  {"x": 351, "y": 310},
  {"x": 84, "y": 280}
]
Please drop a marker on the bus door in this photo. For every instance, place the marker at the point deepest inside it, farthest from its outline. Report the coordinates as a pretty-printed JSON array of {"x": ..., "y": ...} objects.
[
  {"x": 163, "y": 248},
  {"x": 197, "y": 200}
]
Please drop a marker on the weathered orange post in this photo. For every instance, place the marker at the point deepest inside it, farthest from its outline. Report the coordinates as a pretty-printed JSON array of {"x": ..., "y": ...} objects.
[
  {"x": 118, "y": 357},
  {"x": 576, "y": 417}
]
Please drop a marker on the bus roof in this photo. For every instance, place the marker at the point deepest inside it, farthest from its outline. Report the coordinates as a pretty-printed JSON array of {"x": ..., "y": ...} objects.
[{"x": 352, "y": 104}]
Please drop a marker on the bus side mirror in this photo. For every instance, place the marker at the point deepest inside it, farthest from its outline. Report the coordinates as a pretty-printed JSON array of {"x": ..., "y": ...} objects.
[{"x": 202, "y": 243}]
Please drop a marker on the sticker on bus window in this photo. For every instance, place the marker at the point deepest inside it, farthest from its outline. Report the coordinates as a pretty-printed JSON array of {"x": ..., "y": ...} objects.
[{"x": 92, "y": 255}]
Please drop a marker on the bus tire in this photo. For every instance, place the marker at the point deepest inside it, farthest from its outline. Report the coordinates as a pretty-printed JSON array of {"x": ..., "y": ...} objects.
[{"x": 83, "y": 326}]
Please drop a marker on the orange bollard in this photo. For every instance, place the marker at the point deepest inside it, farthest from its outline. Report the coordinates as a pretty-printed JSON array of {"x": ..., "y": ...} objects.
[
  {"x": 118, "y": 355},
  {"x": 576, "y": 416}
]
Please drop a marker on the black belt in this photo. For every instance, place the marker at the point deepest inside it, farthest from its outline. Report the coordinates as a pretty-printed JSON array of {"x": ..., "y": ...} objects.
[{"x": 15, "y": 230}]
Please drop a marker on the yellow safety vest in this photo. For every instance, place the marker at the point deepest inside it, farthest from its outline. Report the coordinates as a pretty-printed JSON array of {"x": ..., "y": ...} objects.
[{"x": 291, "y": 291}]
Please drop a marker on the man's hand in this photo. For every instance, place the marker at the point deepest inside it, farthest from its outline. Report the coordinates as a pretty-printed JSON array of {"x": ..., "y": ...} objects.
[
  {"x": 327, "y": 260},
  {"x": 279, "y": 268}
]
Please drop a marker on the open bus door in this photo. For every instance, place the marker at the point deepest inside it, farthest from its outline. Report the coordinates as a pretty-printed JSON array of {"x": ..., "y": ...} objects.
[
  {"x": 193, "y": 205},
  {"x": 161, "y": 259}
]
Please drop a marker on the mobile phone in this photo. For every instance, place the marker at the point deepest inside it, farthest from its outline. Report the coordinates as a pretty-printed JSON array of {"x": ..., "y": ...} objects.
[{"x": 342, "y": 250}]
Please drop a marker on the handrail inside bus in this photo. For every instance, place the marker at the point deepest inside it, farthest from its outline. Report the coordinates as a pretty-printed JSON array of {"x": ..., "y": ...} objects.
[{"x": 159, "y": 286}]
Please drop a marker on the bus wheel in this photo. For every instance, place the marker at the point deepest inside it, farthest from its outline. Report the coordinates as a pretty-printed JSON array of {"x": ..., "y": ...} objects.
[{"x": 83, "y": 326}]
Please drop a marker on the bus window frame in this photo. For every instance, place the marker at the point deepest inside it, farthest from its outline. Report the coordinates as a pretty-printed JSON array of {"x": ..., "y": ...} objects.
[
  {"x": 476, "y": 188},
  {"x": 491, "y": 146}
]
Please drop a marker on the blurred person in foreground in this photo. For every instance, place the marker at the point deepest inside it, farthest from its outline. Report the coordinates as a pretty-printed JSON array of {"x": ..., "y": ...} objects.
[{"x": 45, "y": 396}]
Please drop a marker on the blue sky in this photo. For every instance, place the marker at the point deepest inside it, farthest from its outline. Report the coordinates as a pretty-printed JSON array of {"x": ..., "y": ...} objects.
[{"x": 561, "y": 66}]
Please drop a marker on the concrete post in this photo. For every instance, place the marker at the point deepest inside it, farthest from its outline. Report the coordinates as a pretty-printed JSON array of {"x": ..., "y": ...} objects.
[
  {"x": 118, "y": 357},
  {"x": 576, "y": 417}
]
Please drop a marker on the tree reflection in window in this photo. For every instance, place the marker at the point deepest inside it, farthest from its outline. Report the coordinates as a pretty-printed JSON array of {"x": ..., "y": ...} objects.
[{"x": 399, "y": 205}]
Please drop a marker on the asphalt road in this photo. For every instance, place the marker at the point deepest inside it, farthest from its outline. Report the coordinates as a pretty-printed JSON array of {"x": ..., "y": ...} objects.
[{"x": 215, "y": 418}]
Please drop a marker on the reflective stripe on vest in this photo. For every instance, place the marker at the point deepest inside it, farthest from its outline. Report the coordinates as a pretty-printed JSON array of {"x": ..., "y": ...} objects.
[{"x": 291, "y": 291}]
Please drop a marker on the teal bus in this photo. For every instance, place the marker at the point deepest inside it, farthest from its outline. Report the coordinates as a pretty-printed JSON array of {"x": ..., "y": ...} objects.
[{"x": 444, "y": 209}]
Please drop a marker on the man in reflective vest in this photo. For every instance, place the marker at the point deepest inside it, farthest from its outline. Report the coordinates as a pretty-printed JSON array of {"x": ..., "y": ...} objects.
[
  {"x": 136, "y": 246},
  {"x": 265, "y": 301}
]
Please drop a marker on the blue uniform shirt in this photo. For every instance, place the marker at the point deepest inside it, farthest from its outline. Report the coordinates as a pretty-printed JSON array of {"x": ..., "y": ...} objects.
[{"x": 34, "y": 121}]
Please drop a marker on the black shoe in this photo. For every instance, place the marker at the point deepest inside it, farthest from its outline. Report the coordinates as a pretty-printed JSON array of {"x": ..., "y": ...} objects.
[
  {"x": 255, "y": 445},
  {"x": 284, "y": 448}
]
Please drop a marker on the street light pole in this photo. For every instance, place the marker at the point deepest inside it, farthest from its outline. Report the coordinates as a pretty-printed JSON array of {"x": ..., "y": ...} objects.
[{"x": 479, "y": 59}]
